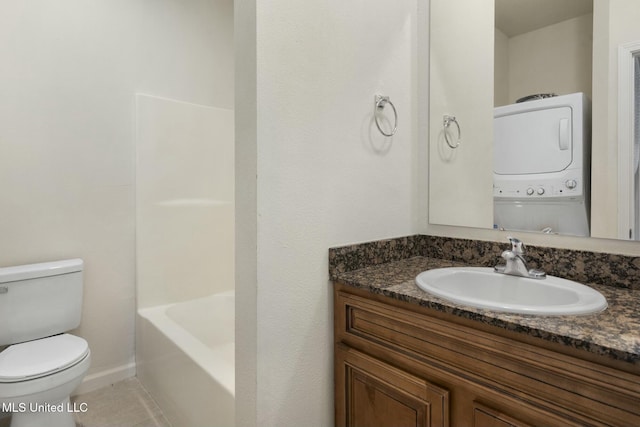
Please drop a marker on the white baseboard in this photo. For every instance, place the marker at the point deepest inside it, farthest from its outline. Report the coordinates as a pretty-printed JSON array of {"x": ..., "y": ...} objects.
[{"x": 106, "y": 377}]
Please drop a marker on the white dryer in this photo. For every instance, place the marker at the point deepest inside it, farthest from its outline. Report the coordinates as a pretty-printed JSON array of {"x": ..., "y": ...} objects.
[{"x": 542, "y": 165}]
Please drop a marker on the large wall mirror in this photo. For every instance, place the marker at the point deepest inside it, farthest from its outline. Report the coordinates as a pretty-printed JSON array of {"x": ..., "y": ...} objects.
[{"x": 532, "y": 116}]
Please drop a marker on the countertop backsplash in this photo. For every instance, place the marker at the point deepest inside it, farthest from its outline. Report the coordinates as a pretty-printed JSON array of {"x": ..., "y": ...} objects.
[{"x": 581, "y": 266}]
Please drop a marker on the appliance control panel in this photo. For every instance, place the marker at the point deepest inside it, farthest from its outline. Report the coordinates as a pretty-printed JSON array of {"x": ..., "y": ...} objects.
[{"x": 521, "y": 189}]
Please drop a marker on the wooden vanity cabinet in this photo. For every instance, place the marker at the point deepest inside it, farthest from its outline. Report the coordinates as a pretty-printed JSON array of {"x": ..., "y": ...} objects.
[{"x": 397, "y": 365}]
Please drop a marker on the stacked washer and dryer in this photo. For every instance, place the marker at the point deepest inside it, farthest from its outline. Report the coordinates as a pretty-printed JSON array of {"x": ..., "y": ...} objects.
[{"x": 542, "y": 165}]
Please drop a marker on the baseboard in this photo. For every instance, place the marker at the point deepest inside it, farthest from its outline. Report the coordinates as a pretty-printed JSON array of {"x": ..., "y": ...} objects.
[{"x": 105, "y": 378}]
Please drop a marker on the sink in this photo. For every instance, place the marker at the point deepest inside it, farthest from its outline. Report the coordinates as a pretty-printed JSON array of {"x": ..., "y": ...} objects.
[{"x": 483, "y": 288}]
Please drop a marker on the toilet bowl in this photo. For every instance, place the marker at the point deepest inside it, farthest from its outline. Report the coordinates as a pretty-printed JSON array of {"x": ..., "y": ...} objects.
[
  {"x": 37, "y": 377},
  {"x": 41, "y": 366}
]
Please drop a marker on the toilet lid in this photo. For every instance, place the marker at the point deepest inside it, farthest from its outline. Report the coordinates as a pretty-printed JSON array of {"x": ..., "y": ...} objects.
[{"x": 37, "y": 358}]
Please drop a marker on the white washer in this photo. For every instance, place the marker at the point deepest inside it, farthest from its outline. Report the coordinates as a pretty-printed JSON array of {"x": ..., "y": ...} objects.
[{"x": 542, "y": 165}]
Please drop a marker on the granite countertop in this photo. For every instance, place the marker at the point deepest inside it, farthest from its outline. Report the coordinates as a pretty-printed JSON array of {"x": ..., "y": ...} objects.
[{"x": 613, "y": 333}]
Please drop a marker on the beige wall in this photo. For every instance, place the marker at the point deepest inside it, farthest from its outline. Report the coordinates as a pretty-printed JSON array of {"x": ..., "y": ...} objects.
[
  {"x": 68, "y": 77},
  {"x": 313, "y": 172},
  {"x": 501, "y": 69},
  {"x": 554, "y": 59},
  {"x": 616, "y": 23}
]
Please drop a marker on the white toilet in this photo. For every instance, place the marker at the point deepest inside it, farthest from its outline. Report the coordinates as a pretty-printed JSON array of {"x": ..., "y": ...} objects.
[{"x": 42, "y": 365}]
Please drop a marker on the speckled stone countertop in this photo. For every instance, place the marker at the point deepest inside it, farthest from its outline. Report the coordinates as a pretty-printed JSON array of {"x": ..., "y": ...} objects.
[{"x": 389, "y": 268}]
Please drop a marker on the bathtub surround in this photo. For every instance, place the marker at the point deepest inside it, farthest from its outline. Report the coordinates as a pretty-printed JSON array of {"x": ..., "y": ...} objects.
[
  {"x": 185, "y": 259},
  {"x": 389, "y": 267},
  {"x": 184, "y": 200}
]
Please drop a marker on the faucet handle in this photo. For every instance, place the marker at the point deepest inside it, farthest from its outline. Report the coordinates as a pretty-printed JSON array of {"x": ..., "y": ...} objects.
[{"x": 517, "y": 246}]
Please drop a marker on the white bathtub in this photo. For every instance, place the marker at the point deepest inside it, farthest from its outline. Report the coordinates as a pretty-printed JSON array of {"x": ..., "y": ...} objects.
[{"x": 185, "y": 359}]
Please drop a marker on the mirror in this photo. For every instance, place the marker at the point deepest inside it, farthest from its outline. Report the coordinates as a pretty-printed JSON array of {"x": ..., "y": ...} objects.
[{"x": 485, "y": 55}]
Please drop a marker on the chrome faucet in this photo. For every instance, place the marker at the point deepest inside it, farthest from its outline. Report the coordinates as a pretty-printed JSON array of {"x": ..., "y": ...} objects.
[{"x": 515, "y": 263}]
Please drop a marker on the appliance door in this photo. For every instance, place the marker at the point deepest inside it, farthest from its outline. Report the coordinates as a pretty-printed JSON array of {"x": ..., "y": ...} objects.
[{"x": 533, "y": 141}]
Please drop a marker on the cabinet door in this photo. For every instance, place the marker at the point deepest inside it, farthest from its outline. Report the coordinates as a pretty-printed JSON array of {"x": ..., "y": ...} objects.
[{"x": 371, "y": 393}]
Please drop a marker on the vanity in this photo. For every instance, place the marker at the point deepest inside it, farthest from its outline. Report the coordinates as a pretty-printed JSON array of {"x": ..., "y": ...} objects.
[{"x": 406, "y": 357}]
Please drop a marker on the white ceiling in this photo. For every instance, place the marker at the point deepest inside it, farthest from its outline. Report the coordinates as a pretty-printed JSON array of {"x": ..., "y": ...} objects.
[{"x": 515, "y": 17}]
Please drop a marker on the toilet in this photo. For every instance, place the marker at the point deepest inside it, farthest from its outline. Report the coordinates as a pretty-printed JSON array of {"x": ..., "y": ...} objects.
[{"x": 41, "y": 364}]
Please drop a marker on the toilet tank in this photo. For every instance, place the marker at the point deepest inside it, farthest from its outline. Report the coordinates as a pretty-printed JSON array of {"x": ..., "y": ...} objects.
[{"x": 39, "y": 300}]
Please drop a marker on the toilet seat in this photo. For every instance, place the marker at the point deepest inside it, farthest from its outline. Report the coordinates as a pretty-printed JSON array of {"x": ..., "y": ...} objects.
[{"x": 38, "y": 358}]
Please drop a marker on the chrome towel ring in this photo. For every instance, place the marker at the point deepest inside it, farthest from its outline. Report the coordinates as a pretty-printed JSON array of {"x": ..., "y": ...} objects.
[
  {"x": 380, "y": 102},
  {"x": 446, "y": 122}
]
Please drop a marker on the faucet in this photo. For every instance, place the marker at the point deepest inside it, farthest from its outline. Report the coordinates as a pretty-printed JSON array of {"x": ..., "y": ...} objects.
[{"x": 515, "y": 263}]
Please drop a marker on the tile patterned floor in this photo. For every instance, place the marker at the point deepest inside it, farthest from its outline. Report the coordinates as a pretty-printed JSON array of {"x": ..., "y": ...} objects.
[{"x": 123, "y": 404}]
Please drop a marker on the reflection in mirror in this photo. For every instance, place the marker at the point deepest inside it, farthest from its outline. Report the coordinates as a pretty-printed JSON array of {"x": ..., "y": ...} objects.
[
  {"x": 564, "y": 47},
  {"x": 541, "y": 165},
  {"x": 542, "y": 46},
  {"x": 542, "y": 142}
]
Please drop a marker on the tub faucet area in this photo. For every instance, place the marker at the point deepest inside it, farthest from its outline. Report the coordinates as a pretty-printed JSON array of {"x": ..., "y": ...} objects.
[{"x": 515, "y": 263}]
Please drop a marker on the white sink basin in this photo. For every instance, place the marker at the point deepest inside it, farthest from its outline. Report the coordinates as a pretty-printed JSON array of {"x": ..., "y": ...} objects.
[{"x": 483, "y": 288}]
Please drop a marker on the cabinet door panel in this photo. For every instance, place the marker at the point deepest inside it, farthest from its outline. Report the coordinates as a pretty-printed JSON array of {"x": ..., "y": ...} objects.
[
  {"x": 373, "y": 403},
  {"x": 372, "y": 393}
]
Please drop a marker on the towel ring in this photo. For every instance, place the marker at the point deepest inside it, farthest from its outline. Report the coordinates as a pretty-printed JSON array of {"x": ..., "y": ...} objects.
[
  {"x": 380, "y": 102},
  {"x": 446, "y": 122}
]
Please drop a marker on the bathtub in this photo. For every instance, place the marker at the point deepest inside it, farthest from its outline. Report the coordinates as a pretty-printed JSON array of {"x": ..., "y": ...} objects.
[{"x": 185, "y": 359}]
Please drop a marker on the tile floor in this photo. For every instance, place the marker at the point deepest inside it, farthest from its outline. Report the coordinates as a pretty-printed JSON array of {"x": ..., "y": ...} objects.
[{"x": 123, "y": 404}]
